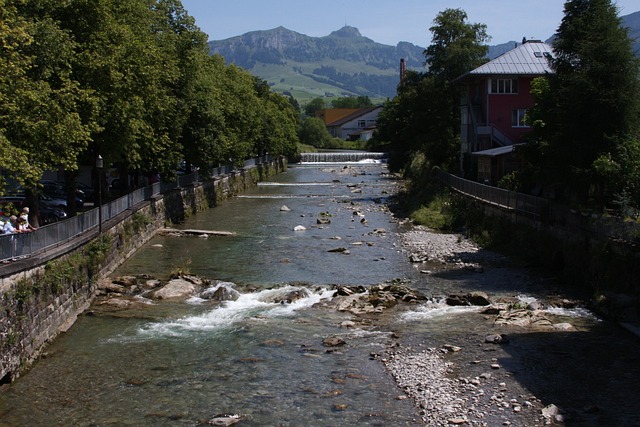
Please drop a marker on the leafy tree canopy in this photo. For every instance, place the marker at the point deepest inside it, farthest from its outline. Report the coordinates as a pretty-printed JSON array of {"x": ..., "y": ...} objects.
[
  {"x": 316, "y": 104},
  {"x": 129, "y": 80},
  {"x": 352, "y": 102},
  {"x": 587, "y": 113},
  {"x": 424, "y": 117},
  {"x": 314, "y": 132}
]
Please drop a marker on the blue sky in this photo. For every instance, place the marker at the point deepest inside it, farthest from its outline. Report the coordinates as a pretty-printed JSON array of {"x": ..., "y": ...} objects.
[{"x": 384, "y": 21}]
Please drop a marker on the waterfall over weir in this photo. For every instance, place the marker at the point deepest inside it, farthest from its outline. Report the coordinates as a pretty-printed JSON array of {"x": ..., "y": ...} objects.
[{"x": 342, "y": 157}]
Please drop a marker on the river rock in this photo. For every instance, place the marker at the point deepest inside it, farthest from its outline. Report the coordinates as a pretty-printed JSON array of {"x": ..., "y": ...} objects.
[
  {"x": 126, "y": 281},
  {"x": 474, "y": 298},
  {"x": 492, "y": 310},
  {"x": 360, "y": 301},
  {"x": 382, "y": 298},
  {"x": 340, "y": 250},
  {"x": 175, "y": 289},
  {"x": 111, "y": 288},
  {"x": 342, "y": 290},
  {"x": 479, "y": 298},
  {"x": 563, "y": 326},
  {"x": 225, "y": 420},
  {"x": 221, "y": 293},
  {"x": 552, "y": 413},
  {"x": 284, "y": 208},
  {"x": 299, "y": 228},
  {"x": 333, "y": 341},
  {"x": 496, "y": 339},
  {"x": 524, "y": 319},
  {"x": 292, "y": 296},
  {"x": 117, "y": 303},
  {"x": 196, "y": 280}
]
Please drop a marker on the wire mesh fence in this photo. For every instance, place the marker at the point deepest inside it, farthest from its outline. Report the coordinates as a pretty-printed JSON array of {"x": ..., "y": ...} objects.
[{"x": 18, "y": 245}]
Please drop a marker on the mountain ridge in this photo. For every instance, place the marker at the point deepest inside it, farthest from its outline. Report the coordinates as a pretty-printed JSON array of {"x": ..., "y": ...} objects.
[{"x": 342, "y": 63}]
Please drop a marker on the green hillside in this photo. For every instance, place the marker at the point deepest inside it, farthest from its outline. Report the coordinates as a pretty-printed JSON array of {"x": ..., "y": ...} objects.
[{"x": 343, "y": 63}]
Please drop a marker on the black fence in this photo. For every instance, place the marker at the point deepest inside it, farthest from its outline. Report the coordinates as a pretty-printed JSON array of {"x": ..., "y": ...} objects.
[
  {"x": 546, "y": 211},
  {"x": 15, "y": 246}
]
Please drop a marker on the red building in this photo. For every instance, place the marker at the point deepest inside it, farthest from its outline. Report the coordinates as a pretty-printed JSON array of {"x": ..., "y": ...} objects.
[{"x": 494, "y": 101}]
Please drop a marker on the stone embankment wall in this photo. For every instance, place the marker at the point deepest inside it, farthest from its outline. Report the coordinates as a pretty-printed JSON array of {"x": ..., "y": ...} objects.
[{"x": 45, "y": 298}]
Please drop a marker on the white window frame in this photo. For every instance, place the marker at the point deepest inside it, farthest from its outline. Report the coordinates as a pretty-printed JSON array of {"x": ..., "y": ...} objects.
[
  {"x": 504, "y": 86},
  {"x": 517, "y": 118}
]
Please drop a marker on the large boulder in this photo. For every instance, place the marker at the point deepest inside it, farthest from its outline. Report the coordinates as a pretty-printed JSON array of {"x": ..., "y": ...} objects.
[
  {"x": 222, "y": 292},
  {"x": 474, "y": 298},
  {"x": 176, "y": 289}
]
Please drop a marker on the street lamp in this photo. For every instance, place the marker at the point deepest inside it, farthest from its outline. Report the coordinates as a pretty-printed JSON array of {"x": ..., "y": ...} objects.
[{"x": 99, "y": 165}]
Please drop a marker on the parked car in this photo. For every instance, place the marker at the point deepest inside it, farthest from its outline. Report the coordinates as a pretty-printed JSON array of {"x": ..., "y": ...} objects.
[
  {"x": 57, "y": 190},
  {"x": 49, "y": 214},
  {"x": 88, "y": 192},
  {"x": 46, "y": 200}
]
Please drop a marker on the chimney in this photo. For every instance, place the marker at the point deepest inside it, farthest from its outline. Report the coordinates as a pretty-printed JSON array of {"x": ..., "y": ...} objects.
[{"x": 403, "y": 69}]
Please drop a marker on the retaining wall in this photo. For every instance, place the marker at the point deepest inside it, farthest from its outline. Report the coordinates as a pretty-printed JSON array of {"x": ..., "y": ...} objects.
[{"x": 46, "y": 295}]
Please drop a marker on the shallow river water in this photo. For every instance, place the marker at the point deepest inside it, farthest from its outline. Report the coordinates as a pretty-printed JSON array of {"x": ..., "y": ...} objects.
[{"x": 170, "y": 364}]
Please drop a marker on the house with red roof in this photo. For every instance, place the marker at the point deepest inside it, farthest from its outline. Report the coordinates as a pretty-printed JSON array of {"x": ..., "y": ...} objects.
[
  {"x": 358, "y": 124},
  {"x": 495, "y": 99}
]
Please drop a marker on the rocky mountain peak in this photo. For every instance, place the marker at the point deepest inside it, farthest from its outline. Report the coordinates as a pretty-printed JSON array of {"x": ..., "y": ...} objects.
[{"x": 347, "y": 31}]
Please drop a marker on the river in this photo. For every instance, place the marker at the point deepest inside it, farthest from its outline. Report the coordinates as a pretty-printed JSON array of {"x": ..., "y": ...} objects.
[{"x": 198, "y": 363}]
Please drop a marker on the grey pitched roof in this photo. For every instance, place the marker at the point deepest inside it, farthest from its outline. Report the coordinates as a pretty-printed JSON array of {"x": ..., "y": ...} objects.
[{"x": 530, "y": 58}]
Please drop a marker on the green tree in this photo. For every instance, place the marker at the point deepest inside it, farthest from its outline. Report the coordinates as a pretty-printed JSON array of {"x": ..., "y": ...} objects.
[
  {"x": 415, "y": 126},
  {"x": 42, "y": 102},
  {"x": 352, "y": 102},
  {"x": 280, "y": 121},
  {"x": 589, "y": 109},
  {"x": 456, "y": 45},
  {"x": 314, "y": 105},
  {"x": 128, "y": 61},
  {"x": 314, "y": 132},
  {"x": 14, "y": 33},
  {"x": 424, "y": 117}
]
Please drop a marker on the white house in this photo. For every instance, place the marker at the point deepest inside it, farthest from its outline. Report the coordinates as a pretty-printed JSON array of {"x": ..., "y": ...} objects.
[{"x": 357, "y": 125}]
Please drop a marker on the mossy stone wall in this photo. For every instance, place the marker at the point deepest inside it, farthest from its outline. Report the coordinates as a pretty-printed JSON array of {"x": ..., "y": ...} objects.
[{"x": 40, "y": 303}]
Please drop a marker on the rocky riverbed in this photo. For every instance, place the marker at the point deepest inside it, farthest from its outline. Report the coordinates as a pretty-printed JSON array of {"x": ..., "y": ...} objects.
[
  {"x": 512, "y": 362},
  {"x": 519, "y": 363}
]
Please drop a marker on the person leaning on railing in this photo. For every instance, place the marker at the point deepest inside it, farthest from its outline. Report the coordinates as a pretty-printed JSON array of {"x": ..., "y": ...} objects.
[
  {"x": 23, "y": 221},
  {"x": 11, "y": 226}
]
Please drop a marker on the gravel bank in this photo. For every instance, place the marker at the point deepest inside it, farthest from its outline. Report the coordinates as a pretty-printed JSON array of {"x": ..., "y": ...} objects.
[{"x": 450, "y": 390}]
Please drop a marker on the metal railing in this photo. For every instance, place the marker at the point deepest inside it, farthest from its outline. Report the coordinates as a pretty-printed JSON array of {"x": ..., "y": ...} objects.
[
  {"x": 545, "y": 210},
  {"x": 523, "y": 204},
  {"x": 15, "y": 246}
]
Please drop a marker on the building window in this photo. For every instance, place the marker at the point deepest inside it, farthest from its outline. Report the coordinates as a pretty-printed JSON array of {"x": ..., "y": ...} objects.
[
  {"x": 504, "y": 85},
  {"x": 517, "y": 118},
  {"x": 362, "y": 123}
]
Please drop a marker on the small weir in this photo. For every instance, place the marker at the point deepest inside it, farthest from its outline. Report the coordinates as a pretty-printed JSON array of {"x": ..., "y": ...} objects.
[{"x": 342, "y": 157}]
